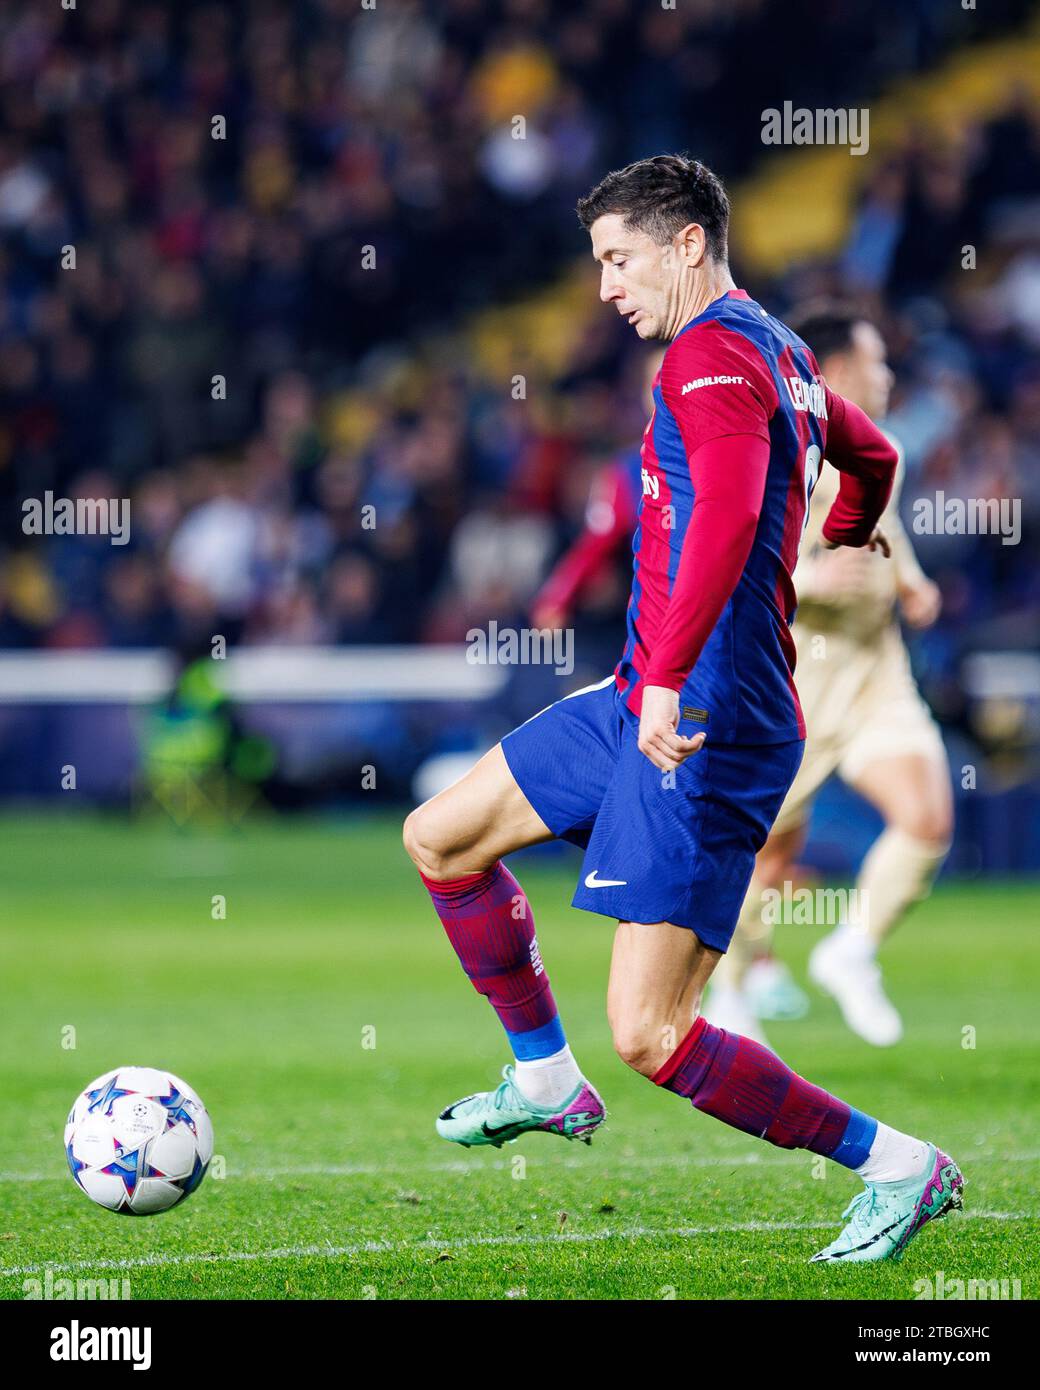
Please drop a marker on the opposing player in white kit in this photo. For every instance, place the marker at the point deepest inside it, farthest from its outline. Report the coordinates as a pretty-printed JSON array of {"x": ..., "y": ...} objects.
[{"x": 866, "y": 721}]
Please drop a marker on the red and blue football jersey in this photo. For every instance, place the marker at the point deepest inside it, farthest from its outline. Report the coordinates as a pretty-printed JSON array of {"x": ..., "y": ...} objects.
[{"x": 741, "y": 422}]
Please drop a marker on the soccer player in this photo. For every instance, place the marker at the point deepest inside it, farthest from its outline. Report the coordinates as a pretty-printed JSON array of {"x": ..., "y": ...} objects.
[
  {"x": 670, "y": 772},
  {"x": 866, "y": 721}
]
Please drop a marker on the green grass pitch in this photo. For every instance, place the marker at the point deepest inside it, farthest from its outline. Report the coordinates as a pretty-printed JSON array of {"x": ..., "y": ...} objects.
[{"x": 335, "y": 1183}]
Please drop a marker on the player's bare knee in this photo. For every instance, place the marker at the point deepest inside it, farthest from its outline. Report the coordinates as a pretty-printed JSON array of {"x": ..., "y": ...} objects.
[
  {"x": 410, "y": 837},
  {"x": 424, "y": 845},
  {"x": 928, "y": 824},
  {"x": 639, "y": 1043}
]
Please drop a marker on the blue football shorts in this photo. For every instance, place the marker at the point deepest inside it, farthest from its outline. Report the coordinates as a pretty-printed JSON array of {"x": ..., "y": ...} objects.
[{"x": 673, "y": 847}]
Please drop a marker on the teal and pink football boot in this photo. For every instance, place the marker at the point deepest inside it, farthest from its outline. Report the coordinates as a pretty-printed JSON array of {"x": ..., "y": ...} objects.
[
  {"x": 886, "y": 1216},
  {"x": 500, "y": 1116}
]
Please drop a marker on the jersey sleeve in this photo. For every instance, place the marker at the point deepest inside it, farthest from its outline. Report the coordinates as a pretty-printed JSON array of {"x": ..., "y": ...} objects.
[
  {"x": 716, "y": 383},
  {"x": 867, "y": 461},
  {"x": 729, "y": 475}
]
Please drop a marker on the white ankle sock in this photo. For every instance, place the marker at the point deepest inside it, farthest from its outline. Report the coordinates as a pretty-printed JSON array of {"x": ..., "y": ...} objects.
[
  {"x": 548, "y": 1080},
  {"x": 893, "y": 1156}
]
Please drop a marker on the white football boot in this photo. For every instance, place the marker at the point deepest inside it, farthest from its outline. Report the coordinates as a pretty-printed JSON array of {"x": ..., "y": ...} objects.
[{"x": 844, "y": 966}]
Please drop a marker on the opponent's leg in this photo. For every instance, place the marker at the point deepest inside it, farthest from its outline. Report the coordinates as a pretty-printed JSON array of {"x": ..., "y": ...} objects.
[
  {"x": 657, "y": 975},
  {"x": 913, "y": 795},
  {"x": 455, "y": 840},
  {"x": 912, "y": 792}
]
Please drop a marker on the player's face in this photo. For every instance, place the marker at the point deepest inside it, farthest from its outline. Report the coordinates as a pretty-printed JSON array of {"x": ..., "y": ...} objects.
[
  {"x": 640, "y": 278},
  {"x": 867, "y": 376}
]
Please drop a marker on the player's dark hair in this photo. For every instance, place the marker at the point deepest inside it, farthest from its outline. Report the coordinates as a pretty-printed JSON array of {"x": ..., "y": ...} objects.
[
  {"x": 826, "y": 326},
  {"x": 660, "y": 196}
]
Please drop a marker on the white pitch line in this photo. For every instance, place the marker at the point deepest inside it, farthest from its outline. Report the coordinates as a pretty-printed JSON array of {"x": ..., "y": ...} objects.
[
  {"x": 384, "y": 1247},
  {"x": 751, "y": 1160},
  {"x": 372, "y": 1170}
]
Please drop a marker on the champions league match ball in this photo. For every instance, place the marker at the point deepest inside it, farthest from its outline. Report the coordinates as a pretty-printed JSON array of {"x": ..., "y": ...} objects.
[{"x": 138, "y": 1140}]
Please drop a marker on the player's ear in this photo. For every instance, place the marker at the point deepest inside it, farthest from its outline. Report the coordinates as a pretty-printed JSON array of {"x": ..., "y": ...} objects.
[{"x": 694, "y": 243}]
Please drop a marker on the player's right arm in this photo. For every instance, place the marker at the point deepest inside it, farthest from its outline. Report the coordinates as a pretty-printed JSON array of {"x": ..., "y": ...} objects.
[{"x": 867, "y": 461}]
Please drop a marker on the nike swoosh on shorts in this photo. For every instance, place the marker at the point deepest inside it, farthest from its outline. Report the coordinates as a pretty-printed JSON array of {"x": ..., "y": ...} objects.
[{"x": 591, "y": 881}]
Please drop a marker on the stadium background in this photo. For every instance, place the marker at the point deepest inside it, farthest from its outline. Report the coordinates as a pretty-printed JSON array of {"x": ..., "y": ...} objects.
[{"x": 393, "y": 386}]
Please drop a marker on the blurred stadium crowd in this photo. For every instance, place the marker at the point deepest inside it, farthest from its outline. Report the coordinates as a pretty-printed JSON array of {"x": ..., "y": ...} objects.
[{"x": 351, "y": 387}]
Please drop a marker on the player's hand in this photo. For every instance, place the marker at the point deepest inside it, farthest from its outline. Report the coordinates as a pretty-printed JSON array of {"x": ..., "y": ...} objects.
[
  {"x": 548, "y": 615},
  {"x": 921, "y": 603},
  {"x": 658, "y": 722},
  {"x": 878, "y": 541}
]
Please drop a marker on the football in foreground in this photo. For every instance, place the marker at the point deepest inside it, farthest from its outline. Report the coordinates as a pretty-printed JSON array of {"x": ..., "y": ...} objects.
[{"x": 138, "y": 1140}]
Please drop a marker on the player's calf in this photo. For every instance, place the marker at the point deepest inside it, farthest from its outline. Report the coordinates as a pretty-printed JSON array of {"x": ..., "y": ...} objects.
[
  {"x": 908, "y": 1182},
  {"x": 489, "y": 922},
  {"x": 456, "y": 841}
]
